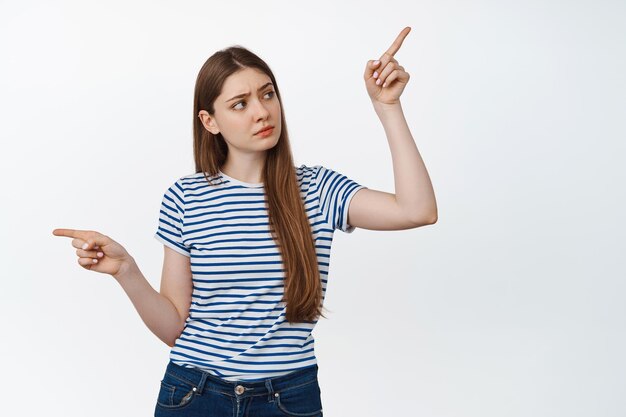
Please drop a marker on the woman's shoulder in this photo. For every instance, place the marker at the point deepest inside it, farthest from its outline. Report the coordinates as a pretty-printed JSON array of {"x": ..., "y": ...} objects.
[
  {"x": 183, "y": 182},
  {"x": 197, "y": 176},
  {"x": 307, "y": 169}
]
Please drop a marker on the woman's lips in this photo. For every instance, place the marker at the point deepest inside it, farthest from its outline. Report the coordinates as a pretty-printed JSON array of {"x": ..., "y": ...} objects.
[{"x": 266, "y": 132}]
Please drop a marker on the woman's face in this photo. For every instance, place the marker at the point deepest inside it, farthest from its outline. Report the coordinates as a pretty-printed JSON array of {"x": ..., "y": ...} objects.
[{"x": 238, "y": 118}]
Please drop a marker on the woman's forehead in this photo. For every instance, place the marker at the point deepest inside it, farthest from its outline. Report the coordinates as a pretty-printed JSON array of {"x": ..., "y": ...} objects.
[{"x": 243, "y": 80}]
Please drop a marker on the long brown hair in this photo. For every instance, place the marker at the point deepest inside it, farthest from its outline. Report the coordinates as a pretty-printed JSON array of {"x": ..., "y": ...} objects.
[{"x": 288, "y": 221}]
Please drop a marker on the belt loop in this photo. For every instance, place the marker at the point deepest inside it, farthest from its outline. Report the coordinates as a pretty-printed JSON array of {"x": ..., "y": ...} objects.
[
  {"x": 270, "y": 390},
  {"x": 202, "y": 382}
]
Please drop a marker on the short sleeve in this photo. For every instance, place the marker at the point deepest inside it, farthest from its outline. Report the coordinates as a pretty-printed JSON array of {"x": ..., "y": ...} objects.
[
  {"x": 171, "y": 219},
  {"x": 335, "y": 192}
]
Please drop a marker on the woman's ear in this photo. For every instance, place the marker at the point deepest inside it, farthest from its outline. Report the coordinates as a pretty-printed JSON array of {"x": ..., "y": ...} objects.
[{"x": 208, "y": 122}]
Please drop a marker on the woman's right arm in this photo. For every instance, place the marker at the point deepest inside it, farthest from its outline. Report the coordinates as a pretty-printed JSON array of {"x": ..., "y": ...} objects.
[{"x": 164, "y": 313}]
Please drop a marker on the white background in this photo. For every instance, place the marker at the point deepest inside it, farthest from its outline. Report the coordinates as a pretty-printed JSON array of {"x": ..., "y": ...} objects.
[{"x": 512, "y": 304}]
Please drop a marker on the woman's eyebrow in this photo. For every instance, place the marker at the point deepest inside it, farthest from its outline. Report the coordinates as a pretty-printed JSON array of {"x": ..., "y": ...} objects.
[{"x": 247, "y": 94}]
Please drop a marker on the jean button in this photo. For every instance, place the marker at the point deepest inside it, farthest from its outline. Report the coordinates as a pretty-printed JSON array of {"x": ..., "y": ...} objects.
[{"x": 239, "y": 389}]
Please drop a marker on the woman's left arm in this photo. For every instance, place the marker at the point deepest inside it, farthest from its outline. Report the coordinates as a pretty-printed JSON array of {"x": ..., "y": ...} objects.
[{"x": 413, "y": 203}]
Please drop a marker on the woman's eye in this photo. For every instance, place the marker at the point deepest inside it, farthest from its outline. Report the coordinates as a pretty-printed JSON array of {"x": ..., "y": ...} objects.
[{"x": 241, "y": 102}]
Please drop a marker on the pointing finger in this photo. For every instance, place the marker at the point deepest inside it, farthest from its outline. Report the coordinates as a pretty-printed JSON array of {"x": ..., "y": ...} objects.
[
  {"x": 68, "y": 232},
  {"x": 395, "y": 46},
  {"x": 83, "y": 239}
]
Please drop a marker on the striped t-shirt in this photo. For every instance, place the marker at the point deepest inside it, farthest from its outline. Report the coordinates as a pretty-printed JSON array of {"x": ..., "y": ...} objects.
[{"x": 236, "y": 327}]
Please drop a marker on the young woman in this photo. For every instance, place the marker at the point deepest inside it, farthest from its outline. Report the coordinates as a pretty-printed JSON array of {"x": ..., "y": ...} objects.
[{"x": 247, "y": 242}]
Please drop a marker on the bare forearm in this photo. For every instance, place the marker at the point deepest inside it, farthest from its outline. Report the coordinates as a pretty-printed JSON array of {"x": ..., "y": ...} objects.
[
  {"x": 413, "y": 188},
  {"x": 156, "y": 310}
]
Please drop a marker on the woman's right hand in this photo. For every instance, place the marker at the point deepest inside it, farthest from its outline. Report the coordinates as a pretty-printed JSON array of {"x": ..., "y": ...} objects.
[{"x": 98, "y": 252}]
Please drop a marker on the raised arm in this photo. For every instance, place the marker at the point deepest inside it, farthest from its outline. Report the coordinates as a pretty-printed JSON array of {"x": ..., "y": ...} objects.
[{"x": 413, "y": 203}]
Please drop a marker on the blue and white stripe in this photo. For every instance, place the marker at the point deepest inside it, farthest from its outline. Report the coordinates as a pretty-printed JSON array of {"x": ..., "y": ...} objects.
[{"x": 236, "y": 327}]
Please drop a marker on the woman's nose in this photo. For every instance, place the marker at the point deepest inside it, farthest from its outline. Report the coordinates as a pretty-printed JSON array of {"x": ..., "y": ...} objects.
[{"x": 260, "y": 109}]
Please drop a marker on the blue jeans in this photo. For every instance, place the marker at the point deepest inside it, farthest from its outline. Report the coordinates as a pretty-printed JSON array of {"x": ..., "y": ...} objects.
[{"x": 192, "y": 392}]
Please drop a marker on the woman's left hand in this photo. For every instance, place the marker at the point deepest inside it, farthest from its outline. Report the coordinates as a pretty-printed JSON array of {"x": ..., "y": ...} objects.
[{"x": 386, "y": 80}]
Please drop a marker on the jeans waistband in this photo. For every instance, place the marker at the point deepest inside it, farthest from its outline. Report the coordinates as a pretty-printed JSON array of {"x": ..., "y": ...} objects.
[{"x": 203, "y": 381}]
